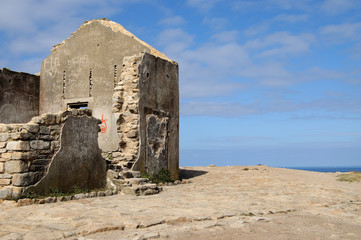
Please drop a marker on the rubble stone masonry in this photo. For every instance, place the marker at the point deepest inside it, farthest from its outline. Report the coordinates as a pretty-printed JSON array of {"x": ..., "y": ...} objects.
[{"x": 27, "y": 150}]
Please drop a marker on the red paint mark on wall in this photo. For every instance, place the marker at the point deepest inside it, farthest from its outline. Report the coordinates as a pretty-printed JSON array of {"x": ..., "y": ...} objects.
[{"x": 103, "y": 125}]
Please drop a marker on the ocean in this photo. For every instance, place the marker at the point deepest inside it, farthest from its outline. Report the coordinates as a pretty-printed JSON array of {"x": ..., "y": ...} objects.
[{"x": 328, "y": 169}]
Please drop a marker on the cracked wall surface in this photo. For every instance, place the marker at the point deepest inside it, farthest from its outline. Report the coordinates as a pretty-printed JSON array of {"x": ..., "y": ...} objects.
[
  {"x": 145, "y": 103},
  {"x": 19, "y": 96},
  {"x": 53, "y": 151}
]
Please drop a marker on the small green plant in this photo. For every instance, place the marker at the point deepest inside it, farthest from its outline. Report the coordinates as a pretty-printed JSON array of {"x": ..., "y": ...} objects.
[
  {"x": 163, "y": 176},
  {"x": 349, "y": 177},
  {"x": 110, "y": 156},
  {"x": 245, "y": 169}
]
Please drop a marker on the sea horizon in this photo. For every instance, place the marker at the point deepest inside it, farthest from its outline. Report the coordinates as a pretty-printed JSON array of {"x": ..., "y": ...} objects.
[{"x": 328, "y": 169}]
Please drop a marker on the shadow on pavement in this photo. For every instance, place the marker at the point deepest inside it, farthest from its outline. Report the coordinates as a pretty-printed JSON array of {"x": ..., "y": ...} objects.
[{"x": 187, "y": 173}]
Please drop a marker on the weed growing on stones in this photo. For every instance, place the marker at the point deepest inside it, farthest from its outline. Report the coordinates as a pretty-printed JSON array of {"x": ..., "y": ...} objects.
[{"x": 163, "y": 176}]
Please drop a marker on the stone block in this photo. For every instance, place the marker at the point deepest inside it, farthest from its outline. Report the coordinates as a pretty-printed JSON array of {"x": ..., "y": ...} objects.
[
  {"x": 32, "y": 128},
  {"x": 49, "y": 119},
  {"x": 23, "y": 155},
  {"x": 16, "y": 166},
  {"x": 44, "y": 130},
  {"x": 54, "y": 127},
  {"x": 55, "y": 144},
  {"x": 6, "y": 156},
  {"x": 37, "y": 120},
  {"x": 2, "y": 150},
  {"x": 4, "y": 137},
  {"x": 132, "y": 134},
  {"x": 25, "y": 179},
  {"x": 46, "y": 137},
  {"x": 21, "y": 136},
  {"x": 6, "y": 176},
  {"x": 2, "y": 167},
  {"x": 6, "y": 193},
  {"x": 18, "y": 145},
  {"x": 4, "y": 182},
  {"x": 39, "y": 144},
  {"x": 2, "y": 144}
]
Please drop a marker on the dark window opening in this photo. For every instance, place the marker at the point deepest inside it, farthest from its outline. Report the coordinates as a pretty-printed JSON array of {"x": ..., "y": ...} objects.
[{"x": 78, "y": 105}]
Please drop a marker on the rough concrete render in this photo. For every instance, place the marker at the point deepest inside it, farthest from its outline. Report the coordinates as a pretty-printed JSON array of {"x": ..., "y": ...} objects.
[
  {"x": 19, "y": 96},
  {"x": 126, "y": 84}
]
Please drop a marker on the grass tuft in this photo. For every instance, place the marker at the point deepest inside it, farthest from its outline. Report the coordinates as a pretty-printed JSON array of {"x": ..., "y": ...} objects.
[
  {"x": 349, "y": 177},
  {"x": 162, "y": 177}
]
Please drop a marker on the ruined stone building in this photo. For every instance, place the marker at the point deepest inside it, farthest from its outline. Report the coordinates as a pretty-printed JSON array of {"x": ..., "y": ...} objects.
[{"x": 131, "y": 88}]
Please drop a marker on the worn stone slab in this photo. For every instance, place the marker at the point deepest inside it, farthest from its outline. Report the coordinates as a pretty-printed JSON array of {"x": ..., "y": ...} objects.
[
  {"x": 18, "y": 145},
  {"x": 4, "y": 137},
  {"x": 4, "y": 182},
  {"x": 16, "y": 166}
]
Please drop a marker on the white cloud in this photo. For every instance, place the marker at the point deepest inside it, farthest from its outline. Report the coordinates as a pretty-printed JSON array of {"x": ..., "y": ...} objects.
[
  {"x": 203, "y": 5},
  {"x": 216, "y": 23},
  {"x": 282, "y": 44},
  {"x": 336, "y": 7},
  {"x": 335, "y": 107},
  {"x": 291, "y": 18},
  {"x": 209, "y": 108},
  {"x": 345, "y": 31},
  {"x": 173, "y": 21},
  {"x": 226, "y": 36},
  {"x": 174, "y": 41},
  {"x": 271, "y": 5}
]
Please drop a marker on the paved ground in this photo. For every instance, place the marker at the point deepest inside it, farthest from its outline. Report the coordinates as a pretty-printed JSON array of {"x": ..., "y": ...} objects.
[{"x": 219, "y": 203}]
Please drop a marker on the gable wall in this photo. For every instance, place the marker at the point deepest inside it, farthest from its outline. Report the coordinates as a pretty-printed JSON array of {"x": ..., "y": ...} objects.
[{"x": 85, "y": 68}]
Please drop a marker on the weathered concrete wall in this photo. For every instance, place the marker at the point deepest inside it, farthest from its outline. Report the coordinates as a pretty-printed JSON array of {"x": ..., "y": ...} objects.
[
  {"x": 85, "y": 68},
  {"x": 159, "y": 115},
  {"x": 59, "y": 146},
  {"x": 19, "y": 96},
  {"x": 78, "y": 163},
  {"x": 146, "y": 103}
]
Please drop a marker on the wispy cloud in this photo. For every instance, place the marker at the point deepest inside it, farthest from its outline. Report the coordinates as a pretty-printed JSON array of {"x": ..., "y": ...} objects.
[
  {"x": 336, "y": 7},
  {"x": 321, "y": 108},
  {"x": 282, "y": 44},
  {"x": 226, "y": 36},
  {"x": 342, "y": 32},
  {"x": 289, "y": 18},
  {"x": 203, "y": 5},
  {"x": 216, "y": 23},
  {"x": 173, "y": 21}
]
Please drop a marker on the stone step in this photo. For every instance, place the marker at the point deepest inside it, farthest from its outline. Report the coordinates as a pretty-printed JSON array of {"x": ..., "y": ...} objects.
[{"x": 137, "y": 181}]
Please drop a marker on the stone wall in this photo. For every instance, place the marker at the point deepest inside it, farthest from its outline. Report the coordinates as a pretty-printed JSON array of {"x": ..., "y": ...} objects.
[
  {"x": 146, "y": 109},
  {"x": 56, "y": 149},
  {"x": 19, "y": 96},
  {"x": 126, "y": 112}
]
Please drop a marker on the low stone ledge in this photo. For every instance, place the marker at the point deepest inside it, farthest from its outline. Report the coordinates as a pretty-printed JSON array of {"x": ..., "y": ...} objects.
[{"x": 79, "y": 196}]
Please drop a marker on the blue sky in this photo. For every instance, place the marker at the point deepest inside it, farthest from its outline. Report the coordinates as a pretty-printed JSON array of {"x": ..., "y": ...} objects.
[{"x": 275, "y": 82}]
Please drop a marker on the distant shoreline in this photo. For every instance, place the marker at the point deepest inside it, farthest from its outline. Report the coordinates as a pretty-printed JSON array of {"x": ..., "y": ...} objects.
[{"x": 327, "y": 169}]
